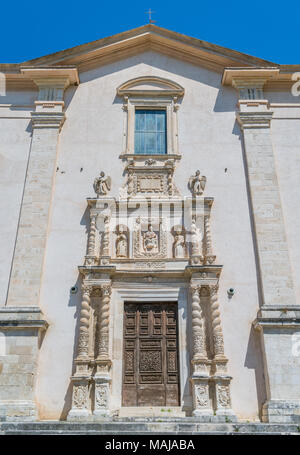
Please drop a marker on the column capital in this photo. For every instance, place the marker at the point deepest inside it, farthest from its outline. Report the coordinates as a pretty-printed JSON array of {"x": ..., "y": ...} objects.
[
  {"x": 249, "y": 82},
  {"x": 51, "y": 82}
]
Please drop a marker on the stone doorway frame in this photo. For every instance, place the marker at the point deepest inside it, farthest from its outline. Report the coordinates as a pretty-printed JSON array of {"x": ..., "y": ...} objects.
[{"x": 158, "y": 292}]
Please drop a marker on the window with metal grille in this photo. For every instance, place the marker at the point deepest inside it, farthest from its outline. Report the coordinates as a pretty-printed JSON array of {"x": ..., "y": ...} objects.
[{"x": 150, "y": 132}]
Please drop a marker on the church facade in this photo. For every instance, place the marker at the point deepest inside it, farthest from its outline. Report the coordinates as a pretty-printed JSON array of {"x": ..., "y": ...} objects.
[{"x": 149, "y": 233}]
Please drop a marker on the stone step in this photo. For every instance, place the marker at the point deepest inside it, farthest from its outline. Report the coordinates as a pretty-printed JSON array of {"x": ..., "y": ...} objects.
[{"x": 145, "y": 428}]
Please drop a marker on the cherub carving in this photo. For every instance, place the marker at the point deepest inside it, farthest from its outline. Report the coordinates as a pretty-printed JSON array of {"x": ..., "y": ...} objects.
[
  {"x": 197, "y": 183},
  {"x": 102, "y": 184}
]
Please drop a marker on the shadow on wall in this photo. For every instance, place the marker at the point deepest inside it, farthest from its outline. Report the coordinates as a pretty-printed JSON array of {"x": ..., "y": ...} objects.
[
  {"x": 75, "y": 301},
  {"x": 254, "y": 361}
]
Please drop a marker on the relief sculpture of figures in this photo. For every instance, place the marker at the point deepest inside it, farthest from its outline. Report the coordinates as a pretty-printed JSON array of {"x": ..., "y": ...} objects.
[
  {"x": 102, "y": 184},
  {"x": 197, "y": 183},
  {"x": 179, "y": 243},
  {"x": 150, "y": 240},
  {"x": 121, "y": 243},
  {"x": 196, "y": 239}
]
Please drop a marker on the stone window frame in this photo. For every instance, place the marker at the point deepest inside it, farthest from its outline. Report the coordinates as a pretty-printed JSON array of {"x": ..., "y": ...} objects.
[{"x": 159, "y": 94}]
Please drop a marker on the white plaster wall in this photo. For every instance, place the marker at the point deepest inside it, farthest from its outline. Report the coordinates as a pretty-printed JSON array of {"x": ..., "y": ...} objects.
[
  {"x": 286, "y": 144},
  {"x": 91, "y": 139},
  {"x": 15, "y": 137}
]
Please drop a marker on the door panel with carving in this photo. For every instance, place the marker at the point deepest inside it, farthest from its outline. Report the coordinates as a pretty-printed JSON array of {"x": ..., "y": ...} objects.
[{"x": 150, "y": 361}]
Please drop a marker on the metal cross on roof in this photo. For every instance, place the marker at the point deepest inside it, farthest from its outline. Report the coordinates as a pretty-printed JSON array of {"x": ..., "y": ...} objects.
[{"x": 150, "y": 16}]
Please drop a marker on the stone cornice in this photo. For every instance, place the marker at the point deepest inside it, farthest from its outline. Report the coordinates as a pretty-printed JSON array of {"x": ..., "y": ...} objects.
[
  {"x": 47, "y": 119},
  {"x": 145, "y": 38},
  {"x": 254, "y": 119},
  {"x": 22, "y": 318},
  {"x": 275, "y": 323},
  {"x": 232, "y": 76},
  {"x": 66, "y": 75}
]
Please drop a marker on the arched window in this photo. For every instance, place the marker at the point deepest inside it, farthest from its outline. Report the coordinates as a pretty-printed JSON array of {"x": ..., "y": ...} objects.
[{"x": 151, "y": 105}]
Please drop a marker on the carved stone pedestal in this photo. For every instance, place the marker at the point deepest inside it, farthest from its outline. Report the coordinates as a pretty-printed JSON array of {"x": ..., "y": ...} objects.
[
  {"x": 202, "y": 406},
  {"x": 80, "y": 398},
  {"x": 202, "y": 401},
  {"x": 102, "y": 382},
  {"x": 102, "y": 386},
  {"x": 222, "y": 400}
]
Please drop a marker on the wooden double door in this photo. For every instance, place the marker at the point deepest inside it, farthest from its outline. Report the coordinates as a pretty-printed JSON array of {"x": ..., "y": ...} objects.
[{"x": 150, "y": 355}]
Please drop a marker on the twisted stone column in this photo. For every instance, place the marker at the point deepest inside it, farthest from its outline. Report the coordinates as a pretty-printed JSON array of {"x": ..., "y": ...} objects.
[
  {"x": 83, "y": 341},
  {"x": 103, "y": 322},
  {"x": 90, "y": 259},
  {"x": 102, "y": 378},
  {"x": 197, "y": 324},
  {"x": 216, "y": 322},
  {"x": 105, "y": 238},
  {"x": 81, "y": 378},
  {"x": 209, "y": 256},
  {"x": 202, "y": 406}
]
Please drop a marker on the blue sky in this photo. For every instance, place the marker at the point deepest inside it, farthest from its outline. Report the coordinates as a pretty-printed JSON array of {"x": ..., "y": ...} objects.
[{"x": 269, "y": 30}]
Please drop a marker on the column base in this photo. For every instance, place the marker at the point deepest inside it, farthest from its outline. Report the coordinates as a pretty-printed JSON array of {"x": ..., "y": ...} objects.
[
  {"x": 281, "y": 411},
  {"x": 102, "y": 393},
  {"x": 78, "y": 415},
  {"x": 225, "y": 415},
  {"x": 18, "y": 410},
  {"x": 202, "y": 403}
]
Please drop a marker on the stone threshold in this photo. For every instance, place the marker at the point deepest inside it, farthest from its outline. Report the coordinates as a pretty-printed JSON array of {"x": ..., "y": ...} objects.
[{"x": 186, "y": 426}]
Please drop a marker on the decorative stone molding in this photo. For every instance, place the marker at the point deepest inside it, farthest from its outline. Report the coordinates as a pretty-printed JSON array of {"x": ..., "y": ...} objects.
[
  {"x": 150, "y": 86},
  {"x": 47, "y": 120},
  {"x": 254, "y": 120},
  {"x": 148, "y": 177},
  {"x": 244, "y": 78}
]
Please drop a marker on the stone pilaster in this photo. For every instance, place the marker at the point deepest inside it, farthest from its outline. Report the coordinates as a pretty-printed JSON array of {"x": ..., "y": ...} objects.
[
  {"x": 22, "y": 303},
  {"x": 278, "y": 317},
  {"x": 47, "y": 119},
  {"x": 220, "y": 379}
]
